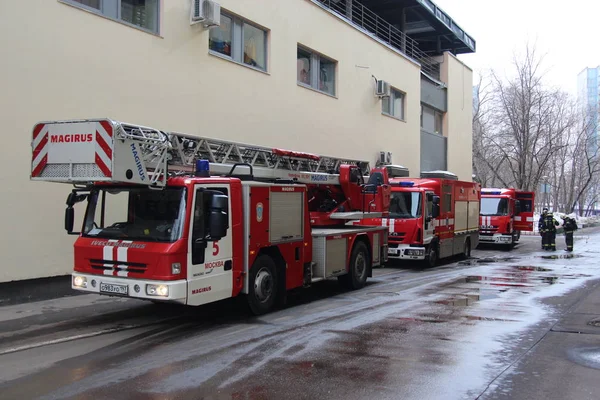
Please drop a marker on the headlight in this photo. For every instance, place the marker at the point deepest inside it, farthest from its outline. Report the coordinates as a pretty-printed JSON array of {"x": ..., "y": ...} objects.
[
  {"x": 157, "y": 290},
  {"x": 175, "y": 268},
  {"x": 80, "y": 281}
]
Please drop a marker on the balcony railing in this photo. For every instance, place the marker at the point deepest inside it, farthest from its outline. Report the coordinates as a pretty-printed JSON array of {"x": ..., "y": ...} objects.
[{"x": 369, "y": 22}]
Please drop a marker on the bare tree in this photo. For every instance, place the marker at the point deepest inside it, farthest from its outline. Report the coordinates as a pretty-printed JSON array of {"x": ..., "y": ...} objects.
[
  {"x": 486, "y": 160},
  {"x": 526, "y": 133},
  {"x": 529, "y": 120},
  {"x": 585, "y": 166}
]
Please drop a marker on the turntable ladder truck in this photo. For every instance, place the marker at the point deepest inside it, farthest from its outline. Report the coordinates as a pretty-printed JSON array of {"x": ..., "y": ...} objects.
[{"x": 171, "y": 217}]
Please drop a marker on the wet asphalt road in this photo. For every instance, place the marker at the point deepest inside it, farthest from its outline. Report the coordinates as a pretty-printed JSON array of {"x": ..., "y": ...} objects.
[{"x": 461, "y": 330}]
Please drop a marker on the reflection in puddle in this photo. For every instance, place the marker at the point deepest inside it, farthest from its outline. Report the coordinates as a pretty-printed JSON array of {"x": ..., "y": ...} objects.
[
  {"x": 486, "y": 260},
  {"x": 560, "y": 256},
  {"x": 530, "y": 268},
  {"x": 463, "y": 301}
]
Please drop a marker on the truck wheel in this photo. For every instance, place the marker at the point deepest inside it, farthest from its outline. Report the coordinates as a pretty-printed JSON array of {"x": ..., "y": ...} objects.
[
  {"x": 432, "y": 256},
  {"x": 467, "y": 249},
  {"x": 262, "y": 285},
  {"x": 358, "y": 269}
]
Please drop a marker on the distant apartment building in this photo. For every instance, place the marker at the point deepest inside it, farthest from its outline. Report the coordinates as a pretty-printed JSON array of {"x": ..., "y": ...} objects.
[
  {"x": 293, "y": 74},
  {"x": 588, "y": 97}
]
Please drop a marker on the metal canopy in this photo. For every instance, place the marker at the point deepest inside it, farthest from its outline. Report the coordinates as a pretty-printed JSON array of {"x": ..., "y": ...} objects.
[{"x": 423, "y": 21}]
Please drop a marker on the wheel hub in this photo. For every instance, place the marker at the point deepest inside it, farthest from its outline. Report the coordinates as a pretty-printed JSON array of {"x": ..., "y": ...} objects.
[
  {"x": 359, "y": 265},
  {"x": 263, "y": 285}
]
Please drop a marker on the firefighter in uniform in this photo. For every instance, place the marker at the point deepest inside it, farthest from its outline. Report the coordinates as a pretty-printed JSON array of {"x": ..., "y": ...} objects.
[
  {"x": 541, "y": 228},
  {"x": 550, "y": 225},
  {"x": 569, "y": 225}
]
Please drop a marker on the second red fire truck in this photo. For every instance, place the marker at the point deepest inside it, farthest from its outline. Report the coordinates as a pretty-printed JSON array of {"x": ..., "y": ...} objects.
[
  {"x": 431, "y": 217},
  {"x": 504, "y": 214},
  {"x": 193, "y": 220}
]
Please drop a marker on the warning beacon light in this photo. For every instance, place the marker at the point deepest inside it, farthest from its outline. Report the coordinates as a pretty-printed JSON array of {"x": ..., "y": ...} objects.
[{"x": 202, "y": 168}]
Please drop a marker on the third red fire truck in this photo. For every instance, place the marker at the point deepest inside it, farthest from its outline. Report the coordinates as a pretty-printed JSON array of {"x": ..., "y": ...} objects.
[
  {"x": 192, "y": 220},
  {"x": 504, "y": 214},
  {"x": 432, "y": 217}
]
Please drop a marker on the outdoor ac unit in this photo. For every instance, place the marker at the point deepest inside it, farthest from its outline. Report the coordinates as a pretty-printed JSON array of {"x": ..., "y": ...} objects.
[
  {"x": 206, "y": 12},
  {"x": 385, "y": 158},
  {"x": 383, "y": 89}
]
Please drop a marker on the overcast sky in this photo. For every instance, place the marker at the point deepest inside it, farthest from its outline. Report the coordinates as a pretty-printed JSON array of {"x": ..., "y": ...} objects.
[{"x": 568, "y": 32}]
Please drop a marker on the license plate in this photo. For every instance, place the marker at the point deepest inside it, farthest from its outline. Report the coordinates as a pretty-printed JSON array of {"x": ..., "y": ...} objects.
[{"x": 113, "y": 289}]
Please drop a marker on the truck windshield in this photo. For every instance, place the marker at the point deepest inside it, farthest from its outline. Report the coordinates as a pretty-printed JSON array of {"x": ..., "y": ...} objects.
[
  {"x": 405, "y": 205},
  {"x": 136, "y": 214},
  {"x": 493, "y": 206}
]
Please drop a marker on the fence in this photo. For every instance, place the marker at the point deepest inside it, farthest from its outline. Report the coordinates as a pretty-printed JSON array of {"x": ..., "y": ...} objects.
[{"x": 369, "y": 22}]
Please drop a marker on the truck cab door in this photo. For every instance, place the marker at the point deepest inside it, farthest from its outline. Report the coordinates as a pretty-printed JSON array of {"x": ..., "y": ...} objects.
[
  {"x": 429, "y": 218},
  {"x": 523, "y": 211},
  {"x": 209, "y": 272}
]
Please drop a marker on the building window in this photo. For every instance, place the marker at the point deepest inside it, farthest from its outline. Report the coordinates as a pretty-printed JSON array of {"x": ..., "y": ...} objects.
[
  {"x": 219, "y": 39},
  {"x": 316, "y": 71},
  {"x": 142, "y": 14},
  {"x": 439, "y": 119},
  {"x": 90, "y": 3},
  {"x": 432, "y": 120},
  {"x": 241, "y": 41},
  {"x": 394, "y": 105}
]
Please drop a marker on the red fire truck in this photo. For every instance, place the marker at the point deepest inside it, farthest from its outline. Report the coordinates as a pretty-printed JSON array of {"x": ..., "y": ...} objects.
[
  {"x": 504, "y": 214},
  {"x": 180, "y": 218},
  {"x": 432, "y": 217}
]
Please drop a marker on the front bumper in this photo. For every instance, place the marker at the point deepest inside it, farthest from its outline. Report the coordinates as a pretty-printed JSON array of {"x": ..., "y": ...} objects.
[
  {"x": 406, "y": 252},
  {"x": 133, "y": 288},
  {"x": 496, "y": 238}
]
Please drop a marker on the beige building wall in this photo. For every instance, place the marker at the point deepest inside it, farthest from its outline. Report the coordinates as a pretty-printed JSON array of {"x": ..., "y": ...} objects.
[
  {"x": 60, "y": 62},
  {"x": 458, "y": 122}
]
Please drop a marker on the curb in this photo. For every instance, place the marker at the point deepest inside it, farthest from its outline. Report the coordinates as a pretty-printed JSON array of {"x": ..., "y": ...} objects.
[{"x": 30, "y": 290}]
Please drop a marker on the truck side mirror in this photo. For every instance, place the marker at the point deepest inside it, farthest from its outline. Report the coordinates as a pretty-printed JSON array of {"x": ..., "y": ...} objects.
[
  {"x": 72, "y": 199},
  {"x": 69, "y": 219},
  {"x": 218, "y": 221}
]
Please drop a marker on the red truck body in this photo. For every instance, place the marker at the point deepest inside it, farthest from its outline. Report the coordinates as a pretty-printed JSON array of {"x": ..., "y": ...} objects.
[
  {"x": 504, "y": 214},
  {"x": 432, "y": 217}
]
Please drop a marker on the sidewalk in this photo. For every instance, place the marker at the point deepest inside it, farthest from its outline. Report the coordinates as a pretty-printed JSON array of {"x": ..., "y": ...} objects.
[
  {"x": 565, "y": 363},
  {"x": 30, "y": 290}
]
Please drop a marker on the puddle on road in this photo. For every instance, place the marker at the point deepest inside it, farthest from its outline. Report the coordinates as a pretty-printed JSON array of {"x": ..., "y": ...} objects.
[
  {"x": 587, "y": 356},
  {"x": 595, "y": 322},
  {"x": 384, "y": 293}
]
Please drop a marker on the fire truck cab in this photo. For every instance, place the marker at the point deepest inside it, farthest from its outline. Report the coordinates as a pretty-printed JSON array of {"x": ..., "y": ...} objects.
[{"x": 504, "y": 214}]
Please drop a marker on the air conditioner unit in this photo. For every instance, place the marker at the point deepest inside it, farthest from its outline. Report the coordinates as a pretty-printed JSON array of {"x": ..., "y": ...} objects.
[
  {"x": 206, "y": 12},
  {"x": 385, "y": 158},
  {"x": 383, "y": 89}
]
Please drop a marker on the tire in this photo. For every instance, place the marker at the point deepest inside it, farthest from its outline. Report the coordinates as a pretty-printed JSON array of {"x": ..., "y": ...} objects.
[
  {"x": 467, "y": 249},
  {"x": 432, "y": 255},
  {"x": 360, "y": 261},
  {"x": 262, "y": 285}
]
